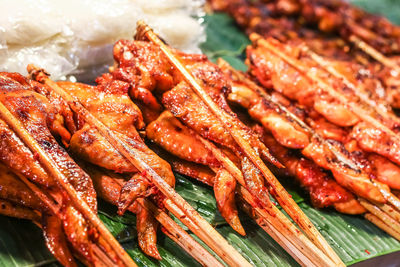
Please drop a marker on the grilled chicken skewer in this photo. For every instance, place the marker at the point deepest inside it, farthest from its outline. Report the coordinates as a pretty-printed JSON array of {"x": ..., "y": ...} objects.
[
  {"x": 282, "y": 20},
  {"x": 335, "y": 110},
  {"x": 148, "y": 88},
  {"x": 116, "y": 110},
  {"x": 278, "y": 120},
  {"x": 69, "y": 199},
  {"x": 123, "y": 119},
  {"x": 23, "y": 200},
  {"x": 128, "y": 153},
  {"x": 239, "y": 133},
  {"x": 380, "y": 108}
]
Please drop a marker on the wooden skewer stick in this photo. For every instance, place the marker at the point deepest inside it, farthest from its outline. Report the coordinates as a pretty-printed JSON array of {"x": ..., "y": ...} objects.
[
  {"x": 389, "y": 210},
  {"x": 381, "y": 224},
  {"x": 389, "y": 196},
  {"x": 377, "y": 107},
  {"x": 53, "y": 170},
  {"x": 378, "y": 56},
  {"x": 224, "y": 249},
  {"x": 278, "y": 191},
  {"x": 173, "y": 230},
  {"x": 354, "y": 107},
  {"x": 180, "y": 236},
  {"x": 177, "y": 234},
  {"x": 300, "y": 247},
  {"x": 102, "y": 257},
  {"x": 375, "y": 210},
  {"x": 281, "y": 239},
  {"x": 178, "y": 213}
]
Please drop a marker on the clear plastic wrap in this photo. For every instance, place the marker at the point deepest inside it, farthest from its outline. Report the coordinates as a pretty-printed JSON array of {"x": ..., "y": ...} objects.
[{"x": 75, "y": 37}]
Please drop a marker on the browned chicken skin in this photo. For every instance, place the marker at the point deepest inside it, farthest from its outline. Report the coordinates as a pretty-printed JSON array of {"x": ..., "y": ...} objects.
[
  {"x": 110, "y": 103},
  {"x": 336, "y": 21},
  {"x": 324, "y": 191},
  {"x": 312, "y": 148},
  {"x": 141, "y": 59},
  {"x": 37, "y": 117},
  {"x": 173, "y": 136}
]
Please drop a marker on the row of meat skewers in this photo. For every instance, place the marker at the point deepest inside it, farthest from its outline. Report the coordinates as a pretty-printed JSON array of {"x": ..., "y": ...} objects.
[
  {"x": 339, "y": 91},
  {"x": 340, "y": 142},
  {"x": 100, "y": 127}
]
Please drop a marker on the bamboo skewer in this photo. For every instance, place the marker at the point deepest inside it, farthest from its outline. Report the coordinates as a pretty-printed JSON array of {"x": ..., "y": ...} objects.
[
  {"x": 389, "y": 196},
  {"x": 378, "y": 108},
  {"x": 281, "y": 239},
  {"x": 301, "y": 248},
  {"x": 174, "y": 231},
  {"x": 375, "y": 210},
  {"x": 223, "y": 248},
  {"x": 356, "y": 109},
  {"x": 383, "y": 216},
  {"x": 381, "y": 224},
  {"x": 390, "y": 211},
  {"x": 52, "y": 168},
  {"x": 102, "y": 257},
  {"x": 378, "y": 56},
  {"x": 178, "y": 235},
  {"x": 279, "y": 192}
]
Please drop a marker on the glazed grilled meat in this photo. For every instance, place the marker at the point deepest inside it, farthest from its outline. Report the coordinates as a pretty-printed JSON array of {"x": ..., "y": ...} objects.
[
  {"x": 73, "y": 232},
  {"x": 294, "y": 22},
  {"x": 109, "y": 102},
  {"x": 186, "y": 120}
]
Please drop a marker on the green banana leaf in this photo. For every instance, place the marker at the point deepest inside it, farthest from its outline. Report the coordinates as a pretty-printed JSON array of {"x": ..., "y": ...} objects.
[{"x": 352, "y": 237}]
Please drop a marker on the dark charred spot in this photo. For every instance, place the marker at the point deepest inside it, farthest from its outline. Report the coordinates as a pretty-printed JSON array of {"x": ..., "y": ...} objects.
[
  {"x": 46, "y": 144},
  {"x": 3, "y": 135},
  {"x": 3, "y": 206},
  {"x": 178, "y": 129},
  {"x": 22, "y": 114}
]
